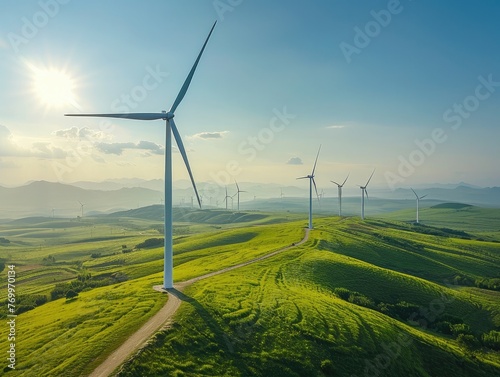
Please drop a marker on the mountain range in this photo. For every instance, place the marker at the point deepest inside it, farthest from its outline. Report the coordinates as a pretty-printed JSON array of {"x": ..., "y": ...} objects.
[{"x": 41, "y": 198}]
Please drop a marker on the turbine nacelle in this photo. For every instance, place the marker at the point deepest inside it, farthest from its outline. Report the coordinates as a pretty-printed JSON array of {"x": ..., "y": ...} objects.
[{"x": 168, "y": 115}]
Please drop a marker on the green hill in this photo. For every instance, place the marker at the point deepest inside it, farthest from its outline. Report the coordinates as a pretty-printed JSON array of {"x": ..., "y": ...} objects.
[
  {"x": 452, "y": 205},
  {"x": 360, "y": 298},
  {"x": 482, "y": 222}
]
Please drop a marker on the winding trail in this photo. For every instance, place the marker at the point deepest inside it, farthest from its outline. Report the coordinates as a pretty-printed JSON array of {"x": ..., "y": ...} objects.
[{"x": 164, "y": 316}]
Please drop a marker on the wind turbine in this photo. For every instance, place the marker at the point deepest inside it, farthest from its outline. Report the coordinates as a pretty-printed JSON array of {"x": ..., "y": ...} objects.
[
  {"x": 227, "y": 197},
  {"x": 339, "y": 186},
  {"x": 418, "y": 201},
  {"x": 321, "y": 194},
  {"x": 363, "y": 193},
  {"x": 81, "y": 204},
  {"x": 311, "y": 182},
  {"x": 171, "y": 128},
  {"x": 238, "y": 193}
]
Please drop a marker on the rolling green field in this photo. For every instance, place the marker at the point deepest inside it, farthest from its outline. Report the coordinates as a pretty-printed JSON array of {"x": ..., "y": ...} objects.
[{"x": 379, "y": 297}]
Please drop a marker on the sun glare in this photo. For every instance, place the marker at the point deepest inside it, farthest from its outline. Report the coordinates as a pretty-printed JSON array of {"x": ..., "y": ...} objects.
[{"x": 53, "y": 87}]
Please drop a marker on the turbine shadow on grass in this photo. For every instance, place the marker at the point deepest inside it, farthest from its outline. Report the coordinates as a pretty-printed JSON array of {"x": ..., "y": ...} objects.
[{"x": 223, "y": 339}]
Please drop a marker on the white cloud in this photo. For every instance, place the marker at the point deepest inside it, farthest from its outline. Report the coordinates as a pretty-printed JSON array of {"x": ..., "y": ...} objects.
[
  {"x": 40, "y": 149},
  {"x": 119, "y": 148},
  {"x": 8, "y": 147},
  {"x": 81, "y": 133},
  {"x": 210, "y": 135},
  {"x": 336, "y": 127},
  {"x": 295, "y": 161},
  {"x": 46, "y": 150}
]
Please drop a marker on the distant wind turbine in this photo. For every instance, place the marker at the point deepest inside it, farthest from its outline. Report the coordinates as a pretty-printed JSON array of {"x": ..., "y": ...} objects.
[
  {"x": 81, "y": 204},
  {"x": 363, "y": 193},
  {"x": 339, "y": 186},
  {"x": 171, "y": 128},
  {"x": 311, "y": 183},
  {"x": 320, "y": 196},
  {"x": 238, "y": 193},
  {"x": 228, "y": 197},
  {"x": 418, "y": 201}
]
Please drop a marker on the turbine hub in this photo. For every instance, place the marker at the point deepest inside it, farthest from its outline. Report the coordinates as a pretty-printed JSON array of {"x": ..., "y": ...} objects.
[{"x": 168, "y": 115}]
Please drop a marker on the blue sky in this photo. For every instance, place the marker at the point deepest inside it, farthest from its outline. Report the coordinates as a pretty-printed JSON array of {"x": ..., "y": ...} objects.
[{"x": 409, "y": 87}]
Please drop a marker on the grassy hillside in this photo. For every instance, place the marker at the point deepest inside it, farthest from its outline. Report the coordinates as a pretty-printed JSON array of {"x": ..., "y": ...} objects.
[
  {"x": 288, "y": 316},
  {"x": 483, "y": 222},
  {"x": 71, "y": 337},
  {"x": 377, "y": 297}
]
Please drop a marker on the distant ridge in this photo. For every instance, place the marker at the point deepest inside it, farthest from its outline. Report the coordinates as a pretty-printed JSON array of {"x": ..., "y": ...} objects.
[
  {"x": 452, "y": 205},
  {"x": 39, "y": 198}
]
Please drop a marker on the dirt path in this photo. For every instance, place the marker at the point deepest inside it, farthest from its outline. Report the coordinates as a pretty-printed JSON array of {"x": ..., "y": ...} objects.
[{"x": 165, "y": 315}]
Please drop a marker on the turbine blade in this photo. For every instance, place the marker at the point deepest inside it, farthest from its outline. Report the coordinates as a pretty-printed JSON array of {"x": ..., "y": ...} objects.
[
  {"x": 237, "y": 187},
  {"x": 366, "y": 192},
  {"x": 302, "y": 177},
  {"x": 314, "y": 167},
  {"x": 136, "y": 116},
  {"x": 182, "y": 150},
  {"x": 345, "y": 180},
  {"x": 414, "y": 193},
  {"x": 315, "y": 188},
  {"x": 336, "y": 183},
  {"x": 369, "y": 179},
  {"x": 423, "y": 196},
  {"x": 189, "y": 77}
]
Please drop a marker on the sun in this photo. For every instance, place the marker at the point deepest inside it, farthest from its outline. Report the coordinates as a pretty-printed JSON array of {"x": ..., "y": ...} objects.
[{"x": 53, "y": 87}]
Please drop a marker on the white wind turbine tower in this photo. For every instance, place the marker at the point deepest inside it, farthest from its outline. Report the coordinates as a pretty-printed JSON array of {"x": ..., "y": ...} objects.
[
  {"x": 363, "y": 193},
  {"x": 311, "y": 183},
  {"x": 171, "y": 128},
  {"x": 418, "y": 201},
  {"x": 238, "y": 193},
  {"x": 339, "y": 186}
]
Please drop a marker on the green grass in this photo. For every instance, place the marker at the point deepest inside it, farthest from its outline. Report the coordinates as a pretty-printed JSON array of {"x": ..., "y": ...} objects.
[
  {"x": 277, "y": 317},
  {"x": 280, "y": 317},
  {"x": 71, "y": 338},
  {"x": 483, "y": 222}
]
